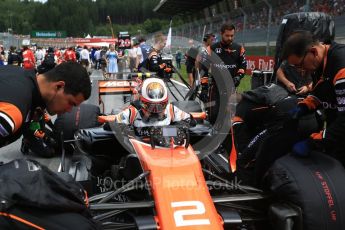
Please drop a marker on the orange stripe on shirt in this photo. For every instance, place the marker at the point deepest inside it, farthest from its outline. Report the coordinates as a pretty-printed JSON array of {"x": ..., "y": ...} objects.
[
  {"x": 14, "y": 113},
  {"x": 17, "y": 218},
  {"x": 237, "y": 119},
  {"x": 172, "y": 113},
  {"x": 242, "y": 50},
  {"x": 317, "y": 136},
  {"x": 133, "y": 114},
  {"x": 340, "y": 75},
  {"x": 241, "y": 71},
  {"x": 311, "y": 102}
]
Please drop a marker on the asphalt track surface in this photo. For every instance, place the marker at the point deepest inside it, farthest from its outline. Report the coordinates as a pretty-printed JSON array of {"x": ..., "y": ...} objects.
[{"x": 113, "y": 103}]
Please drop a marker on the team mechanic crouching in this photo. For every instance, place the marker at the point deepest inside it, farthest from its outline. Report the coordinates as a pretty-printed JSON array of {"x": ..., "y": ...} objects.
[
  {"x": 57, "y": 91},
  {"x": 303, "y": 51}
]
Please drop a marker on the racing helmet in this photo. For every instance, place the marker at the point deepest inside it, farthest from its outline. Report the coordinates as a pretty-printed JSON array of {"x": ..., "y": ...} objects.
[{"x": 153, "y": 95}]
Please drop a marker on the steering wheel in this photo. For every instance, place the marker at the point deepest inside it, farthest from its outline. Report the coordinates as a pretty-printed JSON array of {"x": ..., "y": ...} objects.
[{"x": 166, "y": 135}]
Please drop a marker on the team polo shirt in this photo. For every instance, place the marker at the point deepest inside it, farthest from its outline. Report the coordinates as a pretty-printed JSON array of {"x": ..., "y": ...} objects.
[{"x": 19, "y": 94}]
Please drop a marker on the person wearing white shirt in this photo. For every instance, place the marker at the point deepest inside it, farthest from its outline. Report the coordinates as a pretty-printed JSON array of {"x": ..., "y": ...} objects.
[
  {"x": 39, "y": 55},
  {"x": 85, "y": 57},
  {"x": 134, "y": 57}
]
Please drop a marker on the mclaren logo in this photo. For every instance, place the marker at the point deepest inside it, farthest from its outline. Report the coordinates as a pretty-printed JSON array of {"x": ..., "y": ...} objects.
[{"x": 106, "y": 84}]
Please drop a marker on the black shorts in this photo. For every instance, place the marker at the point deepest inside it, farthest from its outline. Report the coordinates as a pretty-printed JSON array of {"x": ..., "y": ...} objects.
[{"x": 84, "y": 62}]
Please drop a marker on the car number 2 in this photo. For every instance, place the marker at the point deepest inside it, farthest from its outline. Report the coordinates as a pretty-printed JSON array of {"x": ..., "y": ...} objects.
[{"x": 192, "y": 208}]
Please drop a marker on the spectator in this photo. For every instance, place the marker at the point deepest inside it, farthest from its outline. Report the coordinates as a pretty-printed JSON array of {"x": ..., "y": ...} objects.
[
  {"x": 58, "y": 56},
  {"x": 190, "y": 62},
  {"x": 70, "y": 55},
  {"x": 2, "y": 55},
  {"x": 178, "y": 58},
  {"x": 28, "y": 58},
  {"x": 134, "y": 57},
  {"x": 97, "y": 57},
  {"x": 145, "y": 50},
  {"x": 39, "y": 55},
  {"x": 85, "y": 57},
  {"x": 13, "y": 57},
  {"x": 112, "y": 57}
]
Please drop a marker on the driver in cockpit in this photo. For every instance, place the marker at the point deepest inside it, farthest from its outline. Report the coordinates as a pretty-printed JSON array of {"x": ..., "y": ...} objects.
[{"x": 152, "y": 108}]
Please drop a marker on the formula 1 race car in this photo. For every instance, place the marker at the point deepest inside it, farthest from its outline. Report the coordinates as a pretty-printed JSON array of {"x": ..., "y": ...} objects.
[
  {"x": 155, "y": 179},
  {"x": 175, "y": 177}
]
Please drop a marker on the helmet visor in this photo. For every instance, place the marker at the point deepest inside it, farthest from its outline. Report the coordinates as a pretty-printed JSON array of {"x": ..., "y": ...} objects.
[
  {"x": 155, "y": 91},
  {"x": 155, "y": 107}
]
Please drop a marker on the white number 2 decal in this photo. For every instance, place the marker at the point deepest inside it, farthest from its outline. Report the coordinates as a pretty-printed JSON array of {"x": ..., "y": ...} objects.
[{"x": 180, "y": 214}]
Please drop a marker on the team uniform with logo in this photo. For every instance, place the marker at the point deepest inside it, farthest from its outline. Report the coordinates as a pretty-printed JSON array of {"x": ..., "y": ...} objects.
[
  {"x": 329, "y": 93},
  {"x": 154, "y": 63},
  {"x": 225, "y": 59},
  {"x": 232, "y": 58},
  {"x": 19, "y": 95}
]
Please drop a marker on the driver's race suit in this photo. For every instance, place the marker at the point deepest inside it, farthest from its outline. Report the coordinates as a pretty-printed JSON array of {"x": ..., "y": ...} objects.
[{"x": 132, "y": 116}]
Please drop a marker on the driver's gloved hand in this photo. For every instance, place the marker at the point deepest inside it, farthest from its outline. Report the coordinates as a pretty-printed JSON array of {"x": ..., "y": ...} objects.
[
  {"x": 299, "y": 111},
  {"x": 190, "y": 122},
  {"x": 237, "y": 80},
  {"x": 302, "y": 148}
]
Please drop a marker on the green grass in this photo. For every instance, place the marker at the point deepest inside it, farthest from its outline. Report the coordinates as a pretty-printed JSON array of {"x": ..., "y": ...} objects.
[
  {"x": 260, "y": 51},
  {"x": 183, "y": 72},
  {"x": 244, "y": 86}
]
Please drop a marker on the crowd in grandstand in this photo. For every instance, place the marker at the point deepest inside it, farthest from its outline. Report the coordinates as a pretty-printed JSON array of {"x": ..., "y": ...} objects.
[{"x": 259, "y": 18}]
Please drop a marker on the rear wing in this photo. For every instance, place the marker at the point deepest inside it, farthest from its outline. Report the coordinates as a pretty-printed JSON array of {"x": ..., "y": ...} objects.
[
  {"x": 107, "y": 87},
  {"x": 123, "y": 86}
]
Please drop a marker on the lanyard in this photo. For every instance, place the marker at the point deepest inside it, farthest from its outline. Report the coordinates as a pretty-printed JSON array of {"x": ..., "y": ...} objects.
[{"x": 324, "y": 60}]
